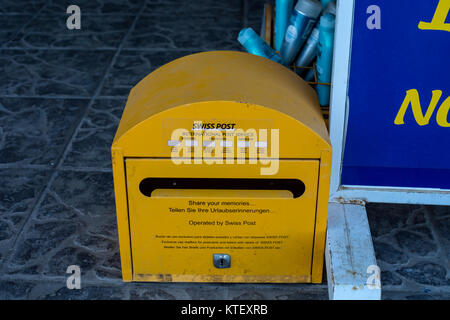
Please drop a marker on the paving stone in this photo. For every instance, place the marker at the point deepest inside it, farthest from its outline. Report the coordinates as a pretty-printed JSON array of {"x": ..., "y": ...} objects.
[
  {"x": 96, "y": 243},
  {"x": 156, "y": 294},
  {"x": 51, "y": 32},
  {"x": 15, "y": 290},
  {"x": 88, "y": 7},
  {"x": 87, "y": 293},
  {"x": 405, "y": 295},
  {"x": 53, "y": 209},
  {"x": 403, "y": 236},
  {"x": 19, "y": 190},
  {"x": 5, "y": 233},
  {"x": 207, "y": 291},
  {"x": 198, "y": 8},
  {"x": 41, "y": 239},
  {"x": 428, "y": 297},
  {"x": 277, "y": 292},
  {"x": 186, "y": 33},
  {"x": 10, "y": 25},
  {"x": 52, "y": 72},
  {"x": 393, "y": 295},
  {"x": 159, "y": 291},
  {"x": 71, "y": 256},
  {"x": 255, "y": 14},
  {"x": 132, "y": 66},
  {"x": 256, "y": 7},
  {"x": 303, "y": 294},
  {"x": 255, "y": 24},
  {"x": 441, "y": 215},
  {"x": 427, "y": 273},
  {"x": 110, "y": 268},
  {"x": 390, "y": 279},
  {"x": 114, "y": 261},
  {"x": 91, "y": 146},
  {"x": 42, "y": 287},
  {"x": 439, "y": 211},
  {"x": 417, "y": 243},
  {"x": 87, "y": 237},
  {"x": 92, "y": 195},
  {"x": 57, "y": 290},
  {"x": 35, "y": 130},
  {"x": 384, "y": 218},
  {"x": 177, "y": 290},
  {"x": 18, "y": 7},
  {"x": 247, "y": 295},
  {"x": 443, "y": 228},
  {"x": 388, "y": 253}
]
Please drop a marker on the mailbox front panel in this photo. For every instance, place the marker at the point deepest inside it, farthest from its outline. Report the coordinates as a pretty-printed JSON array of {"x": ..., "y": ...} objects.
[{"x": 232, "y": 225}]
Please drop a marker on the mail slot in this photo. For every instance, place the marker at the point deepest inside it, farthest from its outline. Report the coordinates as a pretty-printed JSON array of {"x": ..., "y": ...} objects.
[{"x": 221, "y": 167}]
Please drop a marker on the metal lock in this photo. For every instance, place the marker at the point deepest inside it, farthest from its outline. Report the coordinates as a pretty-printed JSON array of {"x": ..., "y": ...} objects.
[{"x": 221, "y": 261}]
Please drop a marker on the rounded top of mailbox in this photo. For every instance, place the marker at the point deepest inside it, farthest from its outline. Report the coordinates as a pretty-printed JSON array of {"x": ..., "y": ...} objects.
[{"x": 232, "y": 76}]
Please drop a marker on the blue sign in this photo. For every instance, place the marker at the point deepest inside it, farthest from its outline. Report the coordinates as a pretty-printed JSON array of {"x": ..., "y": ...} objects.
[{"x": 398, "y": 132}]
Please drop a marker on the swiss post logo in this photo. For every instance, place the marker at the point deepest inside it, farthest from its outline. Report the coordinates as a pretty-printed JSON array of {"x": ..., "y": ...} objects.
[{"x": 198, "y": 125}]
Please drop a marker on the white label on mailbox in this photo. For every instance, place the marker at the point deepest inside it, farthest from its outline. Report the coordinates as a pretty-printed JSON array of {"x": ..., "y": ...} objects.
[
  {"x": 173, "y": 143},
  {"x": 211, "y": 144},
  {"x": 190, "y": 143},
  {"x": 226, "y": 143},
  {"x": 243, "y": 144}
]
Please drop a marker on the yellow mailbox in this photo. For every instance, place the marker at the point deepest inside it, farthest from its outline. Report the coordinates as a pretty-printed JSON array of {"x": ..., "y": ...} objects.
[{"x": 221, "y": 168}]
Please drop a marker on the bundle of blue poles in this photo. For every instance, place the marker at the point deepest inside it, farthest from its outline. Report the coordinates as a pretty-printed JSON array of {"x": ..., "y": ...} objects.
[{"x": 303, "y": 33}]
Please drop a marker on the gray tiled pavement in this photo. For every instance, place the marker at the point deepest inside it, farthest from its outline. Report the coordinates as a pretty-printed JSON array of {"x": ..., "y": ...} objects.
[{"x": 61, "y": 97}]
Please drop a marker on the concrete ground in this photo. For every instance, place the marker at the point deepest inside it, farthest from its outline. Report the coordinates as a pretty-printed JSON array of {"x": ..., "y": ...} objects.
[{"x": 62, "y": 93}]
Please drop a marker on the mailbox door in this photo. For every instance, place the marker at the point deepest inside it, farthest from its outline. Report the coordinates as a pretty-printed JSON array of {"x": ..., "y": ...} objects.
[{"x": 266, "y": 232}]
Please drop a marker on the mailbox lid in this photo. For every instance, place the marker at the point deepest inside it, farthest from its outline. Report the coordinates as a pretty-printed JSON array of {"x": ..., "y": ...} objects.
[
  {"x": 153, "y": 136},
  {"x": 174, "y": 234},
  {"x": 223, "y": 87},
  {"x": 223, "y": 76}
]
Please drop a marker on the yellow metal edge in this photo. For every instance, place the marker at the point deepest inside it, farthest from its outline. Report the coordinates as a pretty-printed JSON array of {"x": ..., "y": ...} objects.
[
  {"x": 321, "y": 217},
  {"x": 220, "y": 278},
  {"x": 122, "y": 213}
]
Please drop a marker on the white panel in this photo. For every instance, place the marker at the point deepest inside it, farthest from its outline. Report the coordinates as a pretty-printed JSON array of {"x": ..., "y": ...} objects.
[
  {"x": 339, "y": 107},
  {"x": 392, "y": 195},
  {"x": 340, "y": 76},
  {"x": 349, "y": 253}
]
